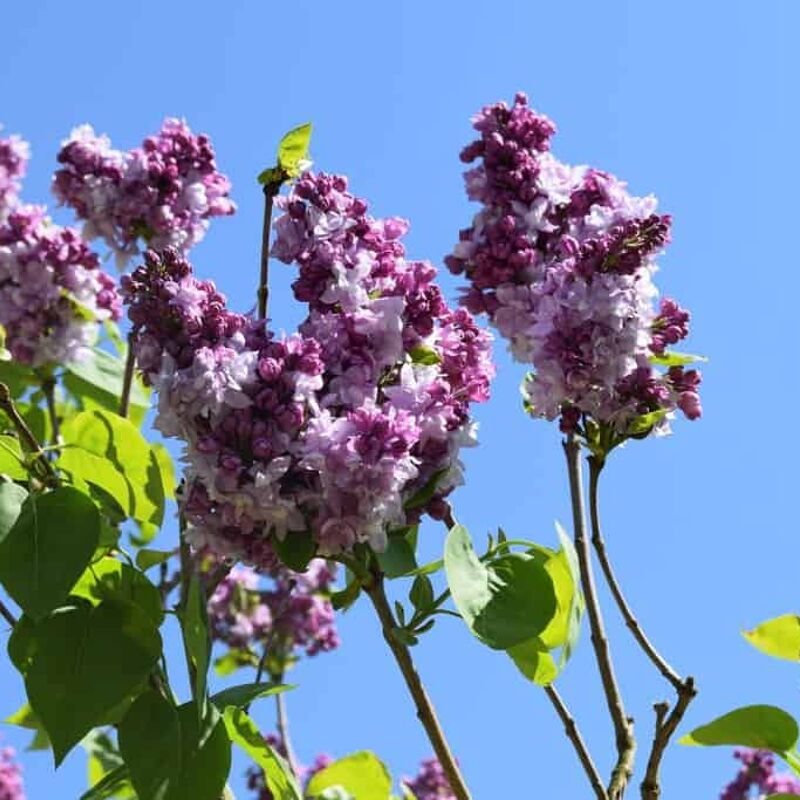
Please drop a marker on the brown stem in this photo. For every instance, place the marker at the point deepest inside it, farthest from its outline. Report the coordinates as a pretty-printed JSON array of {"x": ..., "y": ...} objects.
[
  {"x": 623, "y": 725},
  {"x": 48, "y": 473},
  {"x": 574, "y": 735},
  {"x": 127, "y": 378},
  {"x": 665, "y": 728},
  {"x": 49, "y": 390},
  {"x": 283, "y": 727},
  {"x": 595, "y": 468},
  {"x": 425, "y": 710},
  {"x": 6, "y": 614},
  {"x": 271, "y": 189}
]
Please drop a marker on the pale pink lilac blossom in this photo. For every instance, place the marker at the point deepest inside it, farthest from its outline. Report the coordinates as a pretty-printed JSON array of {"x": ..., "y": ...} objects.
[
  {"x": 11, "y": 787},
  {"x": 14, "y": 155}
]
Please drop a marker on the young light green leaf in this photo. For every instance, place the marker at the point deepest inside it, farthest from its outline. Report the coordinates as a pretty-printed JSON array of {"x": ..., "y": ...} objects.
[
  {"x": 245, "y": 693},
  {"x": 293, "y": 149},
  {"x": 196, "y": 639},
  {"x": 12, "y": 459},
  {"x": 104, "y": 758},
  {"x": 504, "y": 602},
  {"x": 361, "y": 774},
  {"x": 534, "y": 661},
  {"x": 421, "y": 593},
  {"x": 150, "y": 743},
  {"x": 109, "y": 786},
  {"x": 25, "y": 717},
  {"x": 675, "y": 359},
  {"x": 759, "y": 726},
  {"x": 12, "y": 498},
  {"x": 47, "y": 548},
  {"x": 86, "y": 661},
  {"x": 145, "y": 559},
  {"x": 779, "y": 637},
  {"x": 245, "y": 733},
  {"x": 425, "y": 356},
  {"x": 167, "y": 469}
]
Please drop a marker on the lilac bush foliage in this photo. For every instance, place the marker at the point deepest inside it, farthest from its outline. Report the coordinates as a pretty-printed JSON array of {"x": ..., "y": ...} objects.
[
  {"x": 430, "y": 782},
  {"x": 255, "y": 776},
  {"x": 163, "y": 192},
  {"x": 293, "y": 615},
  {"x": 53, "y": 293},
  {"x": 757, "y": 772},
  {"x": 11, "y": 787},
  {"x": 330, "y": 430},
  {"x": 562, "y": 260}
]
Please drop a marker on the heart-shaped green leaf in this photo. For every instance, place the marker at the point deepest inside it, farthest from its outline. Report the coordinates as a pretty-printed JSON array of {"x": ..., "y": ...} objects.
[{"x": 766, "y": 727}]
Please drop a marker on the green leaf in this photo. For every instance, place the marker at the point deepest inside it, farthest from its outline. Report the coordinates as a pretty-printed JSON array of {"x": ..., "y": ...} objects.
[
  {"x": 426, "y": 356},
  {"x": 343, "y": 599},
  {"x": 196, "y": 639},
  {"x": 766, "y": 727},
  {"x": 109, "y": 786},
  {"x": 643, "y": 424},
  {"x": 110, "y": 579},
  {"x": 361, "y": 774},
  {"x": 228, "y": 663},
  {"x": 779, "y": 637},
  {"x": 505, "y": 602},
  {"x": 293, "y": 149},
  {"x": 167, "y": 469},
  {"x": 86, "y": 661},
  {"x": 48, "y": 548},
  {"x": 421, "y": 594},
  {"x": 534, "y": 661},
  {"x": 150, "y": 743},
  {"x": 245, "y": 733},
  {"x": 145, "y": 559},
  {"x": 17, "y": 377},
  {"x": 398, "y": 558},
  {"x": 423, "y": 496},
  {"x": 245, "y": 693},
  {"x": 296, "y": 549},
  {"x": 97, "y": 382},
  {"x": 103, "y": 759},
  {"x": 675, "y": 359},
  {"x": 25, "y": 717},
  {"x": 12, "y": 498},
  {"x": 205, "y": 758},
  {"x": 108, "y": 451},
  {"x": 12, "y": 459}
]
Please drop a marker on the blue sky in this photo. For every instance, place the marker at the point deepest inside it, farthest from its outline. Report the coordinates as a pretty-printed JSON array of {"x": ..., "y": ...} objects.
[{"x": 688, "y": 100}]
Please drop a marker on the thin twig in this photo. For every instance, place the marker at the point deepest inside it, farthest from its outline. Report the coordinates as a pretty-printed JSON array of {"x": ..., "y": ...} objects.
[
  {"x": 6, "y": 614},
  {"x": 665, "y": 728},
  {"x": 595, "y": 468},
  {"x": 26, "y": 436},
  {"x": 574, "y": 735},
  {"x": 127, "y": 378},
  {"x": 49, "y": 391},
  {"x": 271, "y": 189},
  {"x": 283, "y": 727},
  {"x": 685, "y": 688},
  {"x": 425, "y": 710},
  {"x": 623, "y": 725}
]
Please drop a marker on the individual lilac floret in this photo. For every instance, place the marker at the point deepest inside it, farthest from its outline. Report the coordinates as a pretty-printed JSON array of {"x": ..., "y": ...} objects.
[
  {"x": 401, "y": 367},
  {"x": 14, "y": 155},
  {"x": 430, "y": 782},
  {"x": 758, "y": 772},
  {"x": 11, "y": 787},
  {"x": 255, "y": 776},
  {"x": 562, "y": 260},
  {"x": 161, "y": 194},
  {"x": 53, "y": 294},
  {"x": 286, "y": 611}
]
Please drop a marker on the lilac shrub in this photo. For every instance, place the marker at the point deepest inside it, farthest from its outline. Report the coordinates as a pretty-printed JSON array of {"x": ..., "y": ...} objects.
[
  {"x": 14, "y": 155},
  {"x": 11, "y": 787},
  {"x": 562, "y": 260},
  {"x": 330, "y": 430},
  {"x": 163, "y": 192},
  {"x": 758, "y": 773},
  {"x": 430, "y": 782}
]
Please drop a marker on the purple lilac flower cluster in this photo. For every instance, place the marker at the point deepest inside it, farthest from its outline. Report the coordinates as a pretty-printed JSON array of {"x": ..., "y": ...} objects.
[
  {"x": 14, "y": 155},
  {"x": 562, "y": 261},
  {"x": 401, "y": 367},
  {"x": 430, "y": 782},
  {"x": 293, "y": 614},
  {"x": 163, "y": 192},
  {"x": 255, "y": 776},
  {"x": 758, "y": 772},
  {"x": 52, "y": 292},
  {"x": 330, "y": 430},
  {"x": 11, "y": 787}
]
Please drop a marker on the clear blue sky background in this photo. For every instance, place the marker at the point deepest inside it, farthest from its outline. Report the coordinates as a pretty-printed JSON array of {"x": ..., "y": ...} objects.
[{"x": 693, "y": 101}]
